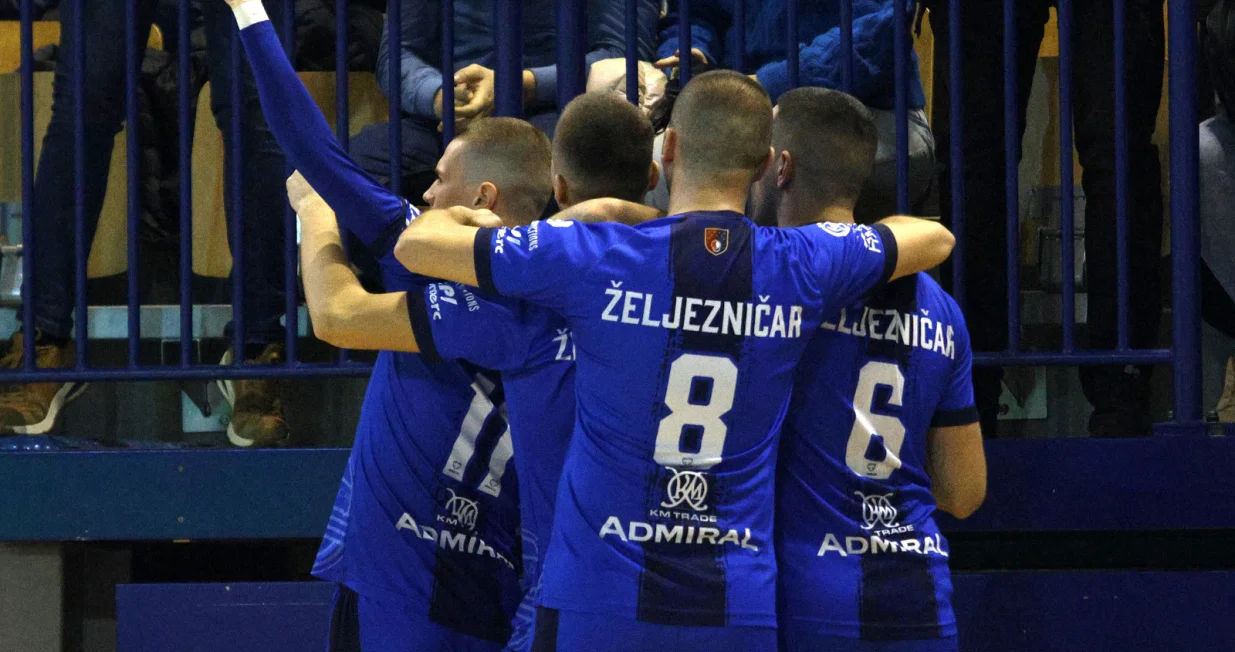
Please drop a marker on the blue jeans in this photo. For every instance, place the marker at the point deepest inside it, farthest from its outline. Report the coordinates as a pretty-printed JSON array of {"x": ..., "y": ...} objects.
[{"x": 262, "y": 194}]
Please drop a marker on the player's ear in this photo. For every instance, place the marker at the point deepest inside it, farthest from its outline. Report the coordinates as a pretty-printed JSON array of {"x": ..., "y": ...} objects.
[
  {"x": 763, "y": 167},
  {"x": 561, "y": 190},
  {"x": 669, "y": 148},
  {"x": 486, "y": 196},
  {"x": 653, "y": 175},
  {"x": 785, "y": 170}
]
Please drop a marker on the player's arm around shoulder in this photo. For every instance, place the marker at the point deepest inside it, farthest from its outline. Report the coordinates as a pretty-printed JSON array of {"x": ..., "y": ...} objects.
[
  {"x": 609, "y": 209},
  {"x": 920, "y": 244},
  {"x": 343, "y": 312},
  {"x": 957, "y": 466},
  {"x": 440, "y": 243}
]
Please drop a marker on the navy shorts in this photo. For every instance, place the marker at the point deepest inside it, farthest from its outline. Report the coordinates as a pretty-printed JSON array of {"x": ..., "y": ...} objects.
[
  {"x": 572, "y": 631},
  {"x": 359, "y": 623}
]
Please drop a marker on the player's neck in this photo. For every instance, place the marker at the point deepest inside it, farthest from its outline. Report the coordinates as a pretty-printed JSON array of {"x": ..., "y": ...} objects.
[
  {"x": 790, "y": 217},
  {"x": 688, "y": 195}
]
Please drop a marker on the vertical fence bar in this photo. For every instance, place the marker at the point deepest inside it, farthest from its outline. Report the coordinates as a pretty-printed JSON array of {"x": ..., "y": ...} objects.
[
  {"x": 448, "y": 71},
  {"x": 185, "y": 133},
  {"x": 846, "y": 45},
  {"x": 900, "y": 58},
  {"x": 739, "y": 35},
  {"x": 394, "y": 18},
  {"x": 27, "y": 183},
  {"x": 508, "y": 43},
  {"x": 572, "y": 48},
  {"x": 1119, "y": 21},
  {"x": 956, "y": 145},
  {"x": 684, "y": 41},
  {"x": 632, "y": 51},
  {"x": 1185, "y": 211},
  {"x": 791, "y": 42},
  {"x": 291, "y": 300},
  {"x": 81, "y": 248},
  {"x": 342, "y": 130},
  {"x": 236, "y": 179},
  {"x": 1067, "y": 238},
  {"x": 1012, "y": 146},
  {"x": 132, "y": 66}
]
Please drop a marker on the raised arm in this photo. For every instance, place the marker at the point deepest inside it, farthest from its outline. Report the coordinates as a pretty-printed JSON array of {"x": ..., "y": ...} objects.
[
  {"x": 372, "y": 212},
  {"x": 920, "y": 244},
  {"x": 343, "y": 312}
]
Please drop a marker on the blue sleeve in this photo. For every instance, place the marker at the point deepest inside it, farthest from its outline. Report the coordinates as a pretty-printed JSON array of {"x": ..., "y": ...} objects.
[
  {"x": 363, "y": 205},
  {"x": 846, "y": 261},
  {"x": 452, "y": 322},
  {"x": 709, "y": 21},
  {"x": 606, "y": 40},
  {"x": 821, "y": 60},
  {"x": 956, "y": 405},
  {"x": 542, "y": 262},
  {"x": 419, "y": 80}
]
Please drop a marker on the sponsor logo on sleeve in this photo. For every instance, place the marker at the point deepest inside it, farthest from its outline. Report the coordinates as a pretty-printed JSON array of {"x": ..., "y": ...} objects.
[{"x": 835, "y": 228}]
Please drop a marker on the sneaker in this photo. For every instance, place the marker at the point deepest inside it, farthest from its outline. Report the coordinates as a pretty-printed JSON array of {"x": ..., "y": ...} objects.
[
  {"x": 32, "y": 408},
  {"x": 1226, "y": 404},
  {"x": 257, "y": 405}
]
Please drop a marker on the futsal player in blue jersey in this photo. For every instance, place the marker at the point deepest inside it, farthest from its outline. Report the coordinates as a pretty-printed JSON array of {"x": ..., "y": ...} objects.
[
  {"x": 882, "y": 427},
  {"x": 423, "y": 539},
  {"x": 687, "y": 330}
]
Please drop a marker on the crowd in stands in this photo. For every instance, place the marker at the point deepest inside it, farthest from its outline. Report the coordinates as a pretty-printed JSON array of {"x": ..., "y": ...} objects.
[{"x": 1119, "y": 394}]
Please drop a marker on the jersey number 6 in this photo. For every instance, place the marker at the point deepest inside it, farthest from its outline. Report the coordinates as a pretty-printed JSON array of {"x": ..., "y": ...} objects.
[
  {"x": 699, "y": 393},
  {"x": 877, "y": 462}
]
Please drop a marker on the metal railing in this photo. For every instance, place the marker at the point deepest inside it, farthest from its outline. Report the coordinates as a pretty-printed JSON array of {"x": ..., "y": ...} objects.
[{"x": 571, "y": 46}]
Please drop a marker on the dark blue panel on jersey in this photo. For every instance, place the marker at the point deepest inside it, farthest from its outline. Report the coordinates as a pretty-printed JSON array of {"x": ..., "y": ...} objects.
[
  {"x": 896, "y": 592},
  {"x": 241, "y": 617},
  {"x": 1151, "y": 483},
  {"x": 711, "y": 257},
  {"x": 1095, "y": 612}
]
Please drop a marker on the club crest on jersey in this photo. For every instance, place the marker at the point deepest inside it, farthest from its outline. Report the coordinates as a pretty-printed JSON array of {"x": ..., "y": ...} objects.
[
  {"x": 686, "y": 487},
  {"x": 877, "y": 511},
  {"x": 716, "y": 240},
  {"x": 463, "y": 511}
]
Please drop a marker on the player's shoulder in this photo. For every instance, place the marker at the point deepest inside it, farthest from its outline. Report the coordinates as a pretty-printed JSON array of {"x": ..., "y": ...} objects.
[{"x": 932, "y": 295}]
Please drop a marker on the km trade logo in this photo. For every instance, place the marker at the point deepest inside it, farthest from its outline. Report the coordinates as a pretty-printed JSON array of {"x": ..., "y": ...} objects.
[
  {"x": 686, "y": 488},
  {"x": 462, "y": 512},
  {"x": 877, "y": 511}
]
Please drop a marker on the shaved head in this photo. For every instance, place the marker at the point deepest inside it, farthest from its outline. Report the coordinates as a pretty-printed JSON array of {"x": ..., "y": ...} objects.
[
  {"x": 514, "y": 156},
  {"x": 832, "y": 138},
  {"x": 603, "y": 148},
  {"x": 723, "y": 121}
]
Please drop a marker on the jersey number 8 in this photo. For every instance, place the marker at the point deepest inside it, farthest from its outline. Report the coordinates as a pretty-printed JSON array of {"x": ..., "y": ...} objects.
[
  {"x": 692, "y": 405},
  {"x": 859, "y": 456}
]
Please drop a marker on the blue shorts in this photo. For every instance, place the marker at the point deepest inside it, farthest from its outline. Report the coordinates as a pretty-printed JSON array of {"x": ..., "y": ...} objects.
[
  {"x": 801, "y": 641},
  {"x": 362, "y": 623},
  {"x": 572, "y": 631}
]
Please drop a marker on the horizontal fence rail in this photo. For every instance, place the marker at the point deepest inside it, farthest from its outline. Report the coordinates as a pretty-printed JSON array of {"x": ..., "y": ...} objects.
[{"x": 572, "y": 47}]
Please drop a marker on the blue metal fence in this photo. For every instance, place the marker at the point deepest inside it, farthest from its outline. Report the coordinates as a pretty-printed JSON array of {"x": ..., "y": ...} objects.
[{"x": 572, "y": 45}]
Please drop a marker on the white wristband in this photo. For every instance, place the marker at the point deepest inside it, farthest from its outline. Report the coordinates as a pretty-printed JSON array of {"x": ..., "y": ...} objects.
[{"x": 249, "y": 13}]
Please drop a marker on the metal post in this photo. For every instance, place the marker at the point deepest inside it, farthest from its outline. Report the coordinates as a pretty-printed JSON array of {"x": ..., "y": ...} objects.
[
  {"x": 237, "y": 183},
  {"x": 791, "y": 42},
  {"x": 291, "y": 303},
  {"x": 956, "y": 126},
  {"x": 448, "y": 71},
  {"x": 1121, "y": 174},
  {"x": 846, "y": 45},
  {"x": 739, "y": 34},
  {"x": 632, "y": 51},
  {"x": 1012, "y": 147},
  {"x": 27, "y": 184},
  {"x": 684, "y": 41},
  {"x": 900, "y": 58},
  {"x": 81, "y": 248},
  {"x": 571, "y": 50},
  {"x": 1067, "y": 236},
  {"x": 132, "y": 68},
  {"x": 508, "y": 44},
  {"x": 1185, "y": 211},
  {"x": 185, "y": 133},
  {"x": 394, "y": 17}
]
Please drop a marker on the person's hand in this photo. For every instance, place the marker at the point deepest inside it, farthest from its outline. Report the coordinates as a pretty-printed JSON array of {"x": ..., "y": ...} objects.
[
  {"x": 236, "y": 3},
  {"x": 299, "y": 193},
  {"x": 463, "y": 95},
  {"x": 478, "y": 80},
  {"x": 477, "y": 217},
  {"x": 696, "y": 56}
]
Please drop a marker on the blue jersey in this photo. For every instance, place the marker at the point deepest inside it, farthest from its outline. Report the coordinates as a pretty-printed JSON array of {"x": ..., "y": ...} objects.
[
  {"x": 687, "y": 330},
  {"x": 859, "y": 550},
  {"x": 533, "y": 349}
]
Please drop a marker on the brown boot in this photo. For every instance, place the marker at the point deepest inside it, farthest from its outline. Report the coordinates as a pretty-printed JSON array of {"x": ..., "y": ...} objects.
[
  {"x": 257, "y": 405},
  {"x": 33, "y": 408}
]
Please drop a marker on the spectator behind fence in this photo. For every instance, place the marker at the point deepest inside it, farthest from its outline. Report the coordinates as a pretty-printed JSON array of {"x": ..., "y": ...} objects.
[
  {"x": 1217, "y": 165},
  {"x": 821, "y": 61},
  {"x": 1118, "y": 393},
  {"x": 257, "y": 411},
  {"x": 420, "y": 74}
]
